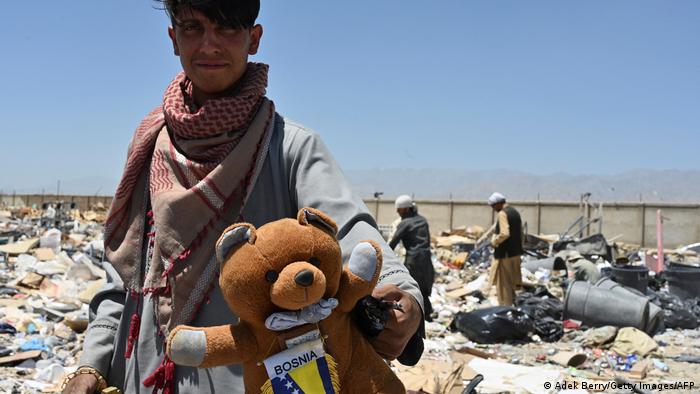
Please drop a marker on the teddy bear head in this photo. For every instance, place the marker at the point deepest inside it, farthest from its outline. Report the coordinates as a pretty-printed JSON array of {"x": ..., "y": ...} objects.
[{"x": 284, "y": 265}]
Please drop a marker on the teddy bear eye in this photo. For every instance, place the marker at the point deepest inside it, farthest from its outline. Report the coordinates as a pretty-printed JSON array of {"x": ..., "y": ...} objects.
[
  {"x": 314, "y": 261},
  {"x": 271, "y": 276}
]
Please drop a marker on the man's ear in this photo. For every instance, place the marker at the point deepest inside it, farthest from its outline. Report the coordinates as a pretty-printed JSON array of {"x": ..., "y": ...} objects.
[
  {"x": 256, "y": 33},
  {"x": 232, "y": 237},
  {"x": 171, "y": 33}
]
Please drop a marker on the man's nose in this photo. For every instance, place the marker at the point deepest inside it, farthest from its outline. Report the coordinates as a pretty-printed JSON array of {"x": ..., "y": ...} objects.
[{"x": 210, "y": 41}]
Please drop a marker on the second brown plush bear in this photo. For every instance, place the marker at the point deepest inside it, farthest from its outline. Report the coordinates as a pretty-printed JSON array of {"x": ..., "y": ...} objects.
[{"x": 286, "y": 282}]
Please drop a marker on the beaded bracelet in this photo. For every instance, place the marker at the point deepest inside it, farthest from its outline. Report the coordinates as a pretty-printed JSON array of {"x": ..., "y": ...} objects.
[{"x": 85, "y": 370}]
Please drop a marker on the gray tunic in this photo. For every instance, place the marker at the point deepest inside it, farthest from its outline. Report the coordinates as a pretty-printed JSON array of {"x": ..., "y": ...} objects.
[{"x": 299, "y": 171}]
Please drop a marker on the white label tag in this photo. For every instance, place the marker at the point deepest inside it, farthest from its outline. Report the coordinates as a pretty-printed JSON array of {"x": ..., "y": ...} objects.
[
  {"x": 300, "y": 355},
  {"x": 306, "y": 337}
]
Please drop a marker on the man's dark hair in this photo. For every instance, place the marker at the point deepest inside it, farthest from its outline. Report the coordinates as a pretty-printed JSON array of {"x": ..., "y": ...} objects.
[{"x": 230, "y": 13}]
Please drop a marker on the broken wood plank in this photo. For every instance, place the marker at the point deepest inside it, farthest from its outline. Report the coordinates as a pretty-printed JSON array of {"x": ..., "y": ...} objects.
[
  {"x": 21, "y": 356},
  {"x": 476, "y": 352}
]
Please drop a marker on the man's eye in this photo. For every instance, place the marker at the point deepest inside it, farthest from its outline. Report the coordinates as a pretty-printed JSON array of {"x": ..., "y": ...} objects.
[{"x": 190, "y": 27}]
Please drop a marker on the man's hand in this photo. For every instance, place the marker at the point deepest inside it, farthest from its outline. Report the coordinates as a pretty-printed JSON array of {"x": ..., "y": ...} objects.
[
  {"x": 401, "y": 326},
  {"x": 81, "y": 384}
]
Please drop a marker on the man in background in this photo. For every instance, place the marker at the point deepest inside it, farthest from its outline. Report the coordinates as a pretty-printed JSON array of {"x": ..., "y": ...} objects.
[
  {"x": 413, "y": 232},
  {"x": 507, "y": 242}
]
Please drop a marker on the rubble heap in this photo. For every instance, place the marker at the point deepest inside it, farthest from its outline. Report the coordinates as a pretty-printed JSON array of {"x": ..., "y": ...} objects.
[
  {"x": 546, "y": 342},
  {"x": 50, "y": 269}
]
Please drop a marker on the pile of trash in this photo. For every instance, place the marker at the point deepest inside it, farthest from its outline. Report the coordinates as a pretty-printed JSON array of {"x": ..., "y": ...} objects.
[
  {"x": 49, "y": 271},
  {"x": 590, "y": 312}
]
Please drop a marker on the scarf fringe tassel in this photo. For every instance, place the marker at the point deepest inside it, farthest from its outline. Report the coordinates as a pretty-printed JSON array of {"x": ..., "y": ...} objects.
[
  {"x": 134, "y": 328},
  {"x": 162, "y": 378}
]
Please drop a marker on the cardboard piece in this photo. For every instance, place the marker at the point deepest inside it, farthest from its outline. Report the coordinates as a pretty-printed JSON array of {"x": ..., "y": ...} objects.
[
  {"x": 459, "y": 293},
  {"x": 638, "y": 371},
  {"x": 44, "y": 254},
  {"x": 12, "y": 303},
  {"x": 32, "y": 280},
  {"x": 447, "y": 242},
  {"x": 432, "y": 376},
  {"x": 505, "y": 377},
  {"x": 89, "y": 293},
  {"x": 49, "y": 289},
  {"x": 569, "y": 359},
  {"x": 21, "y": 247}
]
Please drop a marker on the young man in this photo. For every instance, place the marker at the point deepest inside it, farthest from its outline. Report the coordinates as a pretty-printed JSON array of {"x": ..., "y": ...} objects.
[
  {"x": 213, "y": 153},
  {"x": 413, "y": 232},
  {"x": 508, "y": 247}
]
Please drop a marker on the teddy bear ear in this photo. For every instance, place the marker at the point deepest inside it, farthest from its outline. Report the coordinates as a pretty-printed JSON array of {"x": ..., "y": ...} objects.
[
  {"x": 315, "y": 217},
  {"x": 233, "y": 236}
]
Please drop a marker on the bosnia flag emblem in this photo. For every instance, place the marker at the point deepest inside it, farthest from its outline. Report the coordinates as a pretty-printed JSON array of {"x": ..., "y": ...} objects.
[{"x": 303, "y": 369}]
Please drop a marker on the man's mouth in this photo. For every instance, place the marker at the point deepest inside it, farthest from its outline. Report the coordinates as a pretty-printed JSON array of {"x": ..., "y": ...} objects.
[{"x": 211, "y": 65}]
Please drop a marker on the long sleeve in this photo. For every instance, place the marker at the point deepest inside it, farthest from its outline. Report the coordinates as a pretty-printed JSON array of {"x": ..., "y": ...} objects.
[
  {"x": 398, "y": 235},
  {"x": 317, "y": 181},
  {"x": 504, "y": 229},
  {"x": 105, "y": 313}
]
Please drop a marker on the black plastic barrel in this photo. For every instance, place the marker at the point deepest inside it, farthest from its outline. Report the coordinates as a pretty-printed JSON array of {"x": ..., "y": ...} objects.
[
  {"x": 655, "y": 320},
  {"x": 683, "y": 282},
  {"x": 597, "y": 307},
  {"x": 634, "y": 276},
  {"x": 684, "y": 265}
]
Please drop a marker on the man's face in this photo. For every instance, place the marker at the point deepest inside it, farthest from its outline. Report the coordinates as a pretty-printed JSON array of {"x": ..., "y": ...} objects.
[
  {"x": 213, "y": 57},
  {"x": 497, "y": 207}
]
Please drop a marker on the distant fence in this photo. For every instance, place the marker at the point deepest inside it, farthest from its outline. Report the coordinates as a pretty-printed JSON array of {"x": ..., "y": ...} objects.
[
  {"x": 29, "y": 200},
  {"x": 628, "y": 222}
]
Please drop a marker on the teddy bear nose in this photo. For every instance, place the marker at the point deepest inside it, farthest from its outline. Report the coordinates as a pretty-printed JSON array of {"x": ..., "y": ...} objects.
[{"x": 304, "y": 278}]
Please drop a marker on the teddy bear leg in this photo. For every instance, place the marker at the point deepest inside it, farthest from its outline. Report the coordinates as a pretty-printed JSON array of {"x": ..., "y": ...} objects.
[
  {"x": 360, "y": 275},
  {"x": 206, "y": 347}
]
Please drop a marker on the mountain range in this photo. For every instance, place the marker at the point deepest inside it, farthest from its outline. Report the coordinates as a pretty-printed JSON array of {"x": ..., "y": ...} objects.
[{"x": 680, "y": 186}]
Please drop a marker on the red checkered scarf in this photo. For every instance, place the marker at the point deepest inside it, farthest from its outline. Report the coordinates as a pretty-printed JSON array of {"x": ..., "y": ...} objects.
[{"x": 199, "y": 167}]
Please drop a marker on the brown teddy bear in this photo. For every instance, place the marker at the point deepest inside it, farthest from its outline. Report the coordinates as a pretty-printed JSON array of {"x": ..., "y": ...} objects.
[{"x": 287, "y": 284}]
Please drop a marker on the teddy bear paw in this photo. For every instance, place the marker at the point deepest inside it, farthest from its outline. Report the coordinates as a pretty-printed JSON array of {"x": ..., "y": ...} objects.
[
  {"x": 188, "y": 347},
  {"x": 363, "y": 261}
]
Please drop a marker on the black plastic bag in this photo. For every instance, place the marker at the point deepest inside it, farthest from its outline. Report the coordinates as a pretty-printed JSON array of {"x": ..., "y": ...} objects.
[
  {"x": 548, "y": 329},
  {"x": 494, "y": 325},
  {"x": 678, "y": 314},
  {"x": 370, "y": 316},
  {"x": 680, "y": 319},
  {"x": 540, "y": 305},
  {"x": 693, "y": 305},
  {"x": 594, "y": 245}
]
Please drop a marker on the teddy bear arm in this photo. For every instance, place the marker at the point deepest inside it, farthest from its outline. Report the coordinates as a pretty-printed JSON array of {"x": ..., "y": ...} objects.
[
  {"x": 230, "y": 344},
  {"x": 206, "y": 347},
  {"x": 360, "y": 275}
]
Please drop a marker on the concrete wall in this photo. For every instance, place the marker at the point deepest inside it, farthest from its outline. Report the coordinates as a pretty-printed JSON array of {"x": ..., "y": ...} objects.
[{"x": 628, "y": 222}]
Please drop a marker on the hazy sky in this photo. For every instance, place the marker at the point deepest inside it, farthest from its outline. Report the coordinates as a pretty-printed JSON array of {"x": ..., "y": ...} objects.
[{"x": 539, "y": 86}]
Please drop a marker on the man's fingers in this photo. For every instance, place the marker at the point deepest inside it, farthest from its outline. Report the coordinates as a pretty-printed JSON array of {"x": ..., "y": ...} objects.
[
  {"x": 387, "y": 348},
  {"x": 387, "y": 292},
  {"x": 392, "y": 340}
]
